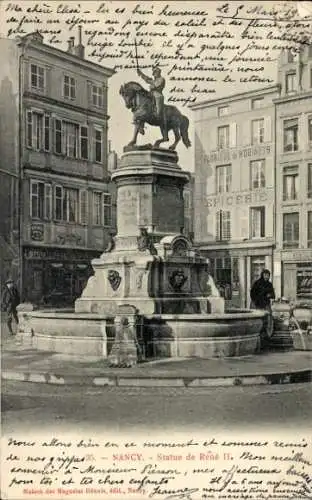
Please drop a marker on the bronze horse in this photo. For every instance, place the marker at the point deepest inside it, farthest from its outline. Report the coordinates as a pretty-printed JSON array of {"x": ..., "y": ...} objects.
[{"x": 141, "y": 104}]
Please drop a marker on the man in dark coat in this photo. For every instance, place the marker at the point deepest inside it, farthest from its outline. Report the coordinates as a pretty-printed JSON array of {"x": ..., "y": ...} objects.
[
  {"x": 10, "y": 301},
  {"x": 261, "y": 294}
]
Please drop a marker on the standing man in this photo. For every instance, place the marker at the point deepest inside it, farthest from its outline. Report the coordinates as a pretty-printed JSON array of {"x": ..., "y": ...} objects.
[
  {"x": 10, "y": 301},
  {"x": 157, "y": 85},
  {"x": 261, "y": 294}
]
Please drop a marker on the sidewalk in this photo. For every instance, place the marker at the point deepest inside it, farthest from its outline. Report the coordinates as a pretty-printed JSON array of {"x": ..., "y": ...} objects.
[{"x": 27, "y": 364}]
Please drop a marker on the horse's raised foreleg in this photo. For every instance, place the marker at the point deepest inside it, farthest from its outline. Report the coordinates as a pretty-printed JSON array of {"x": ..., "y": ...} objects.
[{"x": 177, "y": 139}]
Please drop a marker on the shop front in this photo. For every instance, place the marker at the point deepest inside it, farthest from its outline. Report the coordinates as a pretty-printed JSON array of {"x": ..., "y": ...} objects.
[
  {"x": 54, "y": 277},
  {"x": 297, "y": 275},
  {"x": 235, "y": 270}
]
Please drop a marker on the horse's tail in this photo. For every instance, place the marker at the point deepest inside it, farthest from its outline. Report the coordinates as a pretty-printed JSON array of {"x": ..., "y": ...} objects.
[{"x": 184, "y": 125}]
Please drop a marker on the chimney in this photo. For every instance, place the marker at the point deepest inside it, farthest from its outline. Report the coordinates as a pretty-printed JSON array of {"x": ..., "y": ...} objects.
[
  {"x": 71, "y": 43},
  {"x": 79, "y": 49}
]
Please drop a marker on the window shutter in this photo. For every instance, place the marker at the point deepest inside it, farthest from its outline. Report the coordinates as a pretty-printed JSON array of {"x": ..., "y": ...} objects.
[
  {"x": 233, "y": 135},
  {"x": 269, "y": 221},
  {"x": 210, "y": 232},
  {"x": 84, "y": 143},
  {"x": 29, "y": 129},
  {"x": 89, "y": 85},
  {"x": 83, "y": 206},
  {"x": 243, "y": 222},
  {"x": 107, "y": 209},
  {"x": 58, "y": 136},
  {"x": 47, "y": 201},
  {"x": 267, "y": 129},
  {"x": 218, "y": 225},
  {"x": 303, "y": 132},
  {"x": 47, "y": 133},
  {"x": 33, "y": 194}
]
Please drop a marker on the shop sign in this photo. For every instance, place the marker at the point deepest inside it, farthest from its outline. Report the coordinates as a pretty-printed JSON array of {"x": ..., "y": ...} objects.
[
  {"x": 57, "y": 254},
  {"x": 297, "y": 255},
  {"x": 239, "y": 153},
  {"x": 240, "y": 198}
]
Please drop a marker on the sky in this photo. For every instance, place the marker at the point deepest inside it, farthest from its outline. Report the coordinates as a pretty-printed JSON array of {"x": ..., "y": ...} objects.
[{"x": 105, "y": 14}]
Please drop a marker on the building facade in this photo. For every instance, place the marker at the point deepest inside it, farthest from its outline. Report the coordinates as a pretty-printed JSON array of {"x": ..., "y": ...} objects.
[
  {"x": 234, "y": 188},
  {"x": 293, "y": 254},
  {"x": 58, "y": 153}
]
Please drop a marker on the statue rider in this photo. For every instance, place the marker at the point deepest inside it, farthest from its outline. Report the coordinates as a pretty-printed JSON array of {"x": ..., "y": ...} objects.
[{"x": 157, "y": 84}]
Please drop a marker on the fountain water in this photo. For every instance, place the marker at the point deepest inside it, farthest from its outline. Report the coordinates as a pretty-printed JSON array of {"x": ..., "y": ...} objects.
[{"x": 152, "y": 269}]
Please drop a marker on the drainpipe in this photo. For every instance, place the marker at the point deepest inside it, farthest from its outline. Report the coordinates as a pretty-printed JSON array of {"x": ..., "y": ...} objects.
[
  {"x": 275, "y": 195},
  {"x": 20, "y": 170}
]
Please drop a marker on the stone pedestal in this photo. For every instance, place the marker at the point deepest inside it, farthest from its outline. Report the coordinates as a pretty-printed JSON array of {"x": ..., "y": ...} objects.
[
  {"x": 150, "y": 209},
  {"x": 149, "y": 194}
]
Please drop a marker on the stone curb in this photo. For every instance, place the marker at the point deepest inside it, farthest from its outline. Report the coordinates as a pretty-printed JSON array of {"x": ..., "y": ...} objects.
[{"x": 160, "y": 381}]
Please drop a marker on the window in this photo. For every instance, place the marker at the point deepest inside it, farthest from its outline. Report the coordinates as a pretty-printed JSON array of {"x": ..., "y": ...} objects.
[
  {"x": 224, "y": 178},
  {"x": 290, "y": 183},
  {"x": 223, "y": 225},
  {"x": 102, "y": 209},
  {"x": 71, "y": 139},
  {"x": 58, "y": 202},
  {"x": 257, "y": 131},
  {"x": 257, "y": 174},
  {"x": 107, "y": 210},
  {"x": 69, "y": 88},
  {"x": 257, "y": 220},
  {"x": 223, "y": 137},
  {"x": 290, "y": 82},
  {"x": 70, "y": 204},
  {"x": 291, "y": 230},
  {"x": 66, "y": 204},
  {"x": 290, "y": 56},
  {"x": 257, "y": 103},
  {"x": 223, "y": 111},
  {"x": 37, "y": 77},
  {"x": 222, "y": 272},
  {"x": 310, "y": 229},
  {"x": 70, "y": 136},
  {"x": 97, "y": 206},
  {"x": 310, "y": 180},
  {"x": 97, "y": 96},
  {"x": 291, "y": 135},
  {"x": 38, "y": 131},
  {"x": 98, "y": 136},
  {"x": 40, "y": 200}
]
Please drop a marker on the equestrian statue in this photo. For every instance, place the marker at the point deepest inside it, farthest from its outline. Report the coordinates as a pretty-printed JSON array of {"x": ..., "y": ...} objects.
[{"x": 148, "y": 107}]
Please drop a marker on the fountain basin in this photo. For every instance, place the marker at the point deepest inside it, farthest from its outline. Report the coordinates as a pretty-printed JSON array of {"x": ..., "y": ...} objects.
[
  {"x": 167, "y": 335},
  {"x": 204, "y": 335},
  {"x": 67, "y": 332}
]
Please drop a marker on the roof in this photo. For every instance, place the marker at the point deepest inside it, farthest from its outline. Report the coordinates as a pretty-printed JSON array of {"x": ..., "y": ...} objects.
[
  {"x": 36, "y": 39},
  {"x": 235, "y": 97}
]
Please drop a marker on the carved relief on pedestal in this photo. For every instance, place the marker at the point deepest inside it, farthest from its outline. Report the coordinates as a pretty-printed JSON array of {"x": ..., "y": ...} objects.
[
  {"x": 114, "y": 279},
  {"x": 177, "y": 279}
]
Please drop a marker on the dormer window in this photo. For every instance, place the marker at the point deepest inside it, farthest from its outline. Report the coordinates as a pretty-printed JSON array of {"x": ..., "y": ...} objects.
[{"x": 290, "y": 82}]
